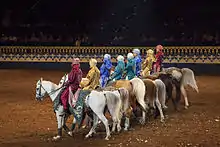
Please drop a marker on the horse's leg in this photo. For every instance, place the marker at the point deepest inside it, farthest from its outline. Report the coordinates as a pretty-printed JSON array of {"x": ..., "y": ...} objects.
[
  {"x": 95, "y": 123},
  {"x": 163, "y": 97},
  {"x": 119, "y": 124},
  {"x": 169, "y": 95},
  {"x": 159, "y": 106},
  {"x": 143, "y": 119},
  {"x": 60, "y": 123},
  {"x": 127, "y": 123},
  {"x": 114, "y": 110},
  {"x": 105, "y": 122},
  {"x": 169, "y": 90},
  {"x": 128, "y": 114},
  {"x": 160, "y": 110},
  {"x": 67, "y": 130},
  {"x": 178, "y": 94},
  {"x": 73, "y": 124},
  {"x": 183, "y": 91}
]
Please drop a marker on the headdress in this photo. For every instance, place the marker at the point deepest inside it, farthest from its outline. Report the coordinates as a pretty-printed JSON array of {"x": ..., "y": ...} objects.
[
  {"x": 75, "y": 61},
  {"x": 120, "y": 58},
  {"x": 93, "y": 62},
  {"x": 150, "y": 52},
  {"x": 130, "y": 56},
  {"x": 160, "y": 47},
  {"x": 107, "y": 56},
  {"x": 136, "y": 51}
]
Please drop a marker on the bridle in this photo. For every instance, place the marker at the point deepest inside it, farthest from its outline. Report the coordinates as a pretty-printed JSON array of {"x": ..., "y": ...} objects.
[{"x": 49, "y": 93}]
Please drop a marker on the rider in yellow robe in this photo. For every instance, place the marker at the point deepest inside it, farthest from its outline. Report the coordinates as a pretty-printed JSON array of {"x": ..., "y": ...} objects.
[
  {"x": 148, "y": 63},
  {"x": 92, "y": 78}
]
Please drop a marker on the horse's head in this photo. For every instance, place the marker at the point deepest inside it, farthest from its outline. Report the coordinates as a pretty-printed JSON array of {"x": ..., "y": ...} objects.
[
  {"x": 40, "y": 91},
  {"x": 63, "y": 80}
]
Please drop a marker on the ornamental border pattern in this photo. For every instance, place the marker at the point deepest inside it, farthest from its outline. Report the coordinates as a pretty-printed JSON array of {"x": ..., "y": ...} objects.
[{"x": 176, "y": 54}]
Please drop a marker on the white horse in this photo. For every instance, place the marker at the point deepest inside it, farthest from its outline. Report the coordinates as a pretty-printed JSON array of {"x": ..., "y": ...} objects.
[
  {"x": 161, "y": 92},
  {"x": 139, "y": 91},
  {"x": 186, "y": 77},
  {"x": 43, "y": 87},
  {"x": 155, "y": 95},
  {"x": 160, "y": 97},
  {"x": 96, "y": 101},
  {"x": 125, "y": 106}
]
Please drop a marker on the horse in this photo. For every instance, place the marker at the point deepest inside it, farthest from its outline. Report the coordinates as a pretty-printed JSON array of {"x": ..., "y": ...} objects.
[
  {"x": 169, "y": 82},
  {"x": 155, "y": 94},
  {"x": 96, "y": 101},
  {"x": 136, "y": 89},
  {"x": 125, "y": 105},
  {"x": 186, "y": 77}
]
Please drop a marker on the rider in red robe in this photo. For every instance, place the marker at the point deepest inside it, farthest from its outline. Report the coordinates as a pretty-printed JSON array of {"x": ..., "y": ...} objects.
[
  {"x": 74, "y": 79},
  {"x": 159, "y": 59}
]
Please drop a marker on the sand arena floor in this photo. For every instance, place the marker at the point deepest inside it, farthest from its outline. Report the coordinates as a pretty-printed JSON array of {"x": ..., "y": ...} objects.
[{"x": 25, "y": 122}]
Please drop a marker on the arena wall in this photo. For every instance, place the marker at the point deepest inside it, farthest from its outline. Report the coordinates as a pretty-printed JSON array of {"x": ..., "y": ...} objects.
[{"x": 202, "y": 59}]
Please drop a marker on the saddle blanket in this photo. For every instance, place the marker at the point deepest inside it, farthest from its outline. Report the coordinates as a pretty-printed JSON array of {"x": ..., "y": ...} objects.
[
  {"x": 73, "y": 97},
  {"x": 79, "y": 105},
  {"x": 78, "y": 110}
]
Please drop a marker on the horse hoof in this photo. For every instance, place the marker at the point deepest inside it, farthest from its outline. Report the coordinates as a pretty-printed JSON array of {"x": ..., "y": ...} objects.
[
  {"x": 119, "y": 129},
  {"x": 107, "y": 137},
  {"x": 70, "y": 133},
  {"x": 142, "y": 122},
  {"x": 162, "y": 120},
  {"x": 186, "y": 107},
  {"x": 55, "y": 138},
  {"x": 88, "y": 135},
  {"x": 165, "y": 107},
  {"x": 177, "y": 109},
  {"x": 131, "y": 129},
  {"x": 125, "y": 129},
  {"x": 84, "y": 126}
]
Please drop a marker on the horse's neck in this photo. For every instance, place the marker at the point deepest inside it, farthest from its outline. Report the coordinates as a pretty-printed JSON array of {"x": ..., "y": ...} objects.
[
  {"x": 50, "y": 87},
  {"x": 63, "y": 80}
]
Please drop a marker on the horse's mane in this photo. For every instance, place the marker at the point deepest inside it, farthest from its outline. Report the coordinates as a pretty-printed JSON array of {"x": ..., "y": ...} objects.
[
  {"x": 150, "y": 77},
  {"x": 110, "y": 83},
  {"x": 55, "y": 85},
  {"x": 108, "y": 88}
]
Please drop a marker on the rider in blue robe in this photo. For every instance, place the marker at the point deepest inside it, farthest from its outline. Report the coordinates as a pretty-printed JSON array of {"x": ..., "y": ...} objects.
[
  {"x": 105, "y": 70},
  {"x": 138, "y": 61}
]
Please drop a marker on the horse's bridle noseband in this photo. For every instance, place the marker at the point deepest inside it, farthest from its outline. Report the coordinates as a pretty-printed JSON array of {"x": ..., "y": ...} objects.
[
  {"x": 41, "y": 86},
  {"x": 52, "y": 92}
]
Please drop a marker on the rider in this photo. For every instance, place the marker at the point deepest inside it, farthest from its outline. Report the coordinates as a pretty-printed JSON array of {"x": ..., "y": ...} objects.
[
  {"x": 119, "y": 69},
  {"x": 105, "y": 70},
  {"x": 159, "y": 59},
  {"x": 147, "y": 65},
  {"x": 130, "y": 68},
  {"x": 137, "y": 59},
  {"x": 74, "y": 78},
  {"x": 93, "y": 76}
]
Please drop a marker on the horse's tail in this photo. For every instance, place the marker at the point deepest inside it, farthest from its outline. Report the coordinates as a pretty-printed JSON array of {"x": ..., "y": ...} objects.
[
  {"x": 138, "y": 88},
  {"x": 189, "y": 79},
  {"x": 114, "y": 104},
  {"x": 125, "y": 99},
  {"x": 161, "y": 89}
]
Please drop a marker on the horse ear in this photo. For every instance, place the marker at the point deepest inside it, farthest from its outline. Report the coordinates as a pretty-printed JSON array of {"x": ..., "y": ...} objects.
[{"x": 41, "y": 79}]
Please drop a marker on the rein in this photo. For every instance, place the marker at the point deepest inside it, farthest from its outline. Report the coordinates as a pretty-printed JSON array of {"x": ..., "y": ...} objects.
[{"x": 52, "y": 92}]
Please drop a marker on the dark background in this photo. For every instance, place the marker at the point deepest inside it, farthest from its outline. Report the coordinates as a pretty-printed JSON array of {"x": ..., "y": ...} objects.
[{"x": 112, "y": 22}]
